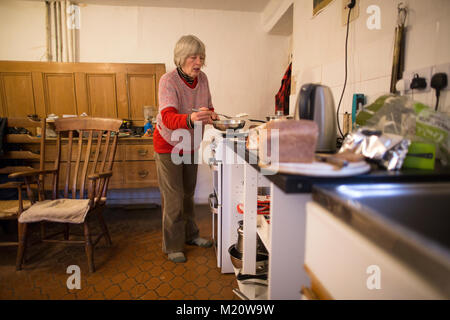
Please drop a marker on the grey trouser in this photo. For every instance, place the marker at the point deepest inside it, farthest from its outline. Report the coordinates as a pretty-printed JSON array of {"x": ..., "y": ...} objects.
[{"x": 177, "y": 186}]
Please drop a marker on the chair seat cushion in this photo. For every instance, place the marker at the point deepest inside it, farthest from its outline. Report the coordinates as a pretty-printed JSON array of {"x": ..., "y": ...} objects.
[
  {"x": 60, "y": 210},
  {"x": 10, "y": 208}
]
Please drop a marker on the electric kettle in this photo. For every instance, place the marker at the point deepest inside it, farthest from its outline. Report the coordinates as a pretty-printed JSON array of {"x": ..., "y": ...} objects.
[{"x": 315, "y": 102}]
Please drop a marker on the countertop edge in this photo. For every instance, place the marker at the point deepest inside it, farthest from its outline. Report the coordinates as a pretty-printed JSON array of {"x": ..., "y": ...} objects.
[{"x": 389, "y": 236}]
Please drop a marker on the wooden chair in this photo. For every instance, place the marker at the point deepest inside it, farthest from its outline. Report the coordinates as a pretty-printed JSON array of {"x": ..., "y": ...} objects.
[
  {"x": 79, "y": 182},
  {"x": 22, "y": 150}
]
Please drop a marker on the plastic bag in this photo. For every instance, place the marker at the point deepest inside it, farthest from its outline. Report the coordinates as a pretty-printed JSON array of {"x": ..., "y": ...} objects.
[{"x": 413, "y": 120}]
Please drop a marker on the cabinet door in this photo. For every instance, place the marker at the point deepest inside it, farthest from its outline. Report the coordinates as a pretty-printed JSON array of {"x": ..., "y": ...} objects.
[
  {"x": 101, "y": 95},
  {"x": 16, "y": 94},
  {"x": 59, "y": 93},
  {"x": 141, "y": 92}
]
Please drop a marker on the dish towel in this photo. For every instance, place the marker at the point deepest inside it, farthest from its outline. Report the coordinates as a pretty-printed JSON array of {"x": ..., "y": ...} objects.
[{"x": 282, "y": 97}]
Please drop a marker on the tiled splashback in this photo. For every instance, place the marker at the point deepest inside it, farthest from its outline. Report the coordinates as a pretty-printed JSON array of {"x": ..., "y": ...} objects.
[{"x": 319, "y": 48}]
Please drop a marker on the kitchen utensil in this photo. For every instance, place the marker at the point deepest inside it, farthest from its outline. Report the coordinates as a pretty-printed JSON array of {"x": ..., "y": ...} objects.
[
  {"x": 335, "y": 161},
  {"x": 256, "y": 283},
  {"x": 240, "y": 294},
  {"x": 398, "y": 61},
  {"x": 420, "y": 155},
  {"x": 224, "y": 125},
  {"x": 262, "y": 276},
  {"x": 240, "y": 115},
  {"x": 236, "y": 259},
  {"x": 240, "y": 242},
  {"x": 315, "y": 102},
  {"x": 279, "y": 115}
]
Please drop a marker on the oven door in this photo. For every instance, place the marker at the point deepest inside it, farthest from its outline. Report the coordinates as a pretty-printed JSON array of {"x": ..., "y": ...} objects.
[
  {"x": 216, "y": 234},
  {"x": 216, "y": 169}
]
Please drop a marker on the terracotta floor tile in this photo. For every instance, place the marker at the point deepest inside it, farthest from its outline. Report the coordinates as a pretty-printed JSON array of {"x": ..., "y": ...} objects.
[
  {"x": 127, "y": 284},
  {"x": 112, "y": 291},
  {"x": 150, "y": 295},
  {"x": 156, "y": 271},
  {"x": 118, "y": 277},
  {"x": 163, "y": 290},
  {"x": 190, "y": 275},
  {"x": 166, "y": 276},
  {"x": 123, "y": 295},
  {"x": 102, "y": 285},
  {"x": 138, "y": 291},
  {"x": 202, "y": 294},
  {"x": 202, "y": 281},
  {"x": 153, "y": 283},
  {"x": 177, "y": 282},
  {"x": 214, "y": 287},
  {"x": 134, "y": 267},
  {"x": 189, "y": 288},
  {"x": 176, "y": 295},
  {"x": 179, "y": 270},
  {"x": 213, "y": 274},
  {"x": 142, "y": 277}
]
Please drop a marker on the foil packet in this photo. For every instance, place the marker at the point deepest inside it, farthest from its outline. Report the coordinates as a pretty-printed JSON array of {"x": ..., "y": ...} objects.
[{"x": 389, "y": 150}]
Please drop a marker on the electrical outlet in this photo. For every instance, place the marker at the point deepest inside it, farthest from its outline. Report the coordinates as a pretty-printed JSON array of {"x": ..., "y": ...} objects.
[
  {"x": 445, "y": 68},
  {"x": 423, "y": 73},
  {"x": 353, "y": 15}
]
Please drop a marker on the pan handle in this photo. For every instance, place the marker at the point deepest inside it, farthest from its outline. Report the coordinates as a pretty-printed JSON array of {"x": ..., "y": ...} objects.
[{"x": 255, "y": 120}]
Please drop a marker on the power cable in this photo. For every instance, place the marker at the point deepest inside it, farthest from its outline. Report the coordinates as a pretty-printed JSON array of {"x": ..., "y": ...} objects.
[{"x": 345, "y": 81}]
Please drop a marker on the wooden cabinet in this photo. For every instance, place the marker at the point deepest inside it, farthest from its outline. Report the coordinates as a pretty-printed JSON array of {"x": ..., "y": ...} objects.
[
  {"x": 134, "y": 164},
  {"x": 111, "y": 90}
]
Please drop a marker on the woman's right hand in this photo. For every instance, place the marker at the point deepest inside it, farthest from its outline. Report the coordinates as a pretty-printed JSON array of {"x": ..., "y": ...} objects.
[{"x": 203, "y": 115}]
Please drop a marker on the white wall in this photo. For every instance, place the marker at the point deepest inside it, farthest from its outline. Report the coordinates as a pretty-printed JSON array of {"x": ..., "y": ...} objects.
[
  {"x": 319, "y": 47},
  {"x": 245, "y": 65},
  {"x": 22, "y": 31}
]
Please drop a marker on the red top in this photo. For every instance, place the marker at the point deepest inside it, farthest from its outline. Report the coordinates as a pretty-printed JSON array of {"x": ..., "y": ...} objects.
[{"x": 172, "y": 120}]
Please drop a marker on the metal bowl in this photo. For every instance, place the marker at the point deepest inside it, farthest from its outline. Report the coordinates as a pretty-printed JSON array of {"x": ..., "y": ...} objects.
[
  {"x": 232, "y": 124},
  {"x": 278, "y": 117},
  {"x": 236, "y": 259}
]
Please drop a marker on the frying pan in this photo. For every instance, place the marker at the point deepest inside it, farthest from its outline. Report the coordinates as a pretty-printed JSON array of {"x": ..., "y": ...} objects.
[{"x": 232, "y": 124}]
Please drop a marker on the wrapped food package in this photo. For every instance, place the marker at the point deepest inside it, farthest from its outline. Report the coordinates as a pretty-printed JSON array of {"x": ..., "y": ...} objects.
[
  {"x": 287, "y": 140},
  {"x": 252, "y": 142}
]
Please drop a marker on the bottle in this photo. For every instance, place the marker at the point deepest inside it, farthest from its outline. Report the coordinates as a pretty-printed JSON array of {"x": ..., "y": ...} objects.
[{"x": 148, "y": 128}]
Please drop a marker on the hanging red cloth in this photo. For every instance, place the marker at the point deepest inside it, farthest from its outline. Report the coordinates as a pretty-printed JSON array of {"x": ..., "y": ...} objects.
[{"x": 282, "y": 97}]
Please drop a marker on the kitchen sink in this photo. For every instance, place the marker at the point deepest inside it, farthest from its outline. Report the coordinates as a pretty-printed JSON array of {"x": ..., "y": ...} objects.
[{"x": 423, "y": 208}]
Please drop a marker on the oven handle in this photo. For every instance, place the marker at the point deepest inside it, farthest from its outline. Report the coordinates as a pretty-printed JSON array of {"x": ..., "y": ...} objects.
[
  {"x": 212, "y": 199},
  {"x": 214, "y": 165}
]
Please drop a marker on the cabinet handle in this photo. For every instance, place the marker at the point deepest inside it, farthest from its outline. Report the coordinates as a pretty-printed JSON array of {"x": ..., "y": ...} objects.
[
  {"x": 142, "y": 152},
  {"x": 143, "y": 173}
]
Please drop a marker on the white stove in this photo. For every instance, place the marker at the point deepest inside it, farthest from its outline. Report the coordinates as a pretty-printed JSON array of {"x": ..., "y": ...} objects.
[{"x": 228, "y": 191}]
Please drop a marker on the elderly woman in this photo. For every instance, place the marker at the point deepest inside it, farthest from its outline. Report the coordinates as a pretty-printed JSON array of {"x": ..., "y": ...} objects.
[{"x": 180, "y": 91}]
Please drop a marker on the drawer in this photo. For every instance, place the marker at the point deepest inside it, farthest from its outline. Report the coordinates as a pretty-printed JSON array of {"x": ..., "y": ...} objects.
[
  {"x": 50, "y": 152},
  {"x": 140, "y": 174},
  {"x": 139, "y": 152}
]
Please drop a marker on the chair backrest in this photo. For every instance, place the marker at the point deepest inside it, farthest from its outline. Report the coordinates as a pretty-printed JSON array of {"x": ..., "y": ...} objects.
[
  {"x": 90, "y": 149},
  {"x": 24, "y": 145}
]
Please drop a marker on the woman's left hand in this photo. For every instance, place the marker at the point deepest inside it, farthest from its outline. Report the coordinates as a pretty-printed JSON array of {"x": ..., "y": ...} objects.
[{"x": 214, "y": 116}]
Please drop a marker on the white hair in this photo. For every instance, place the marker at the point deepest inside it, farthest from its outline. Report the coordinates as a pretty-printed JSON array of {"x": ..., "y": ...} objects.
[{"x": 187, "y": 46}]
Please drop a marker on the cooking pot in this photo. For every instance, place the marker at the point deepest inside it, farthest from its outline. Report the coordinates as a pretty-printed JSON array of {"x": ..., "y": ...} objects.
[
  {"x": 240, "y": 242},
  {"x": 232, "y": 124},
  {"x": 262, "y": 260},
  {"x": 279, "y": 115}
]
